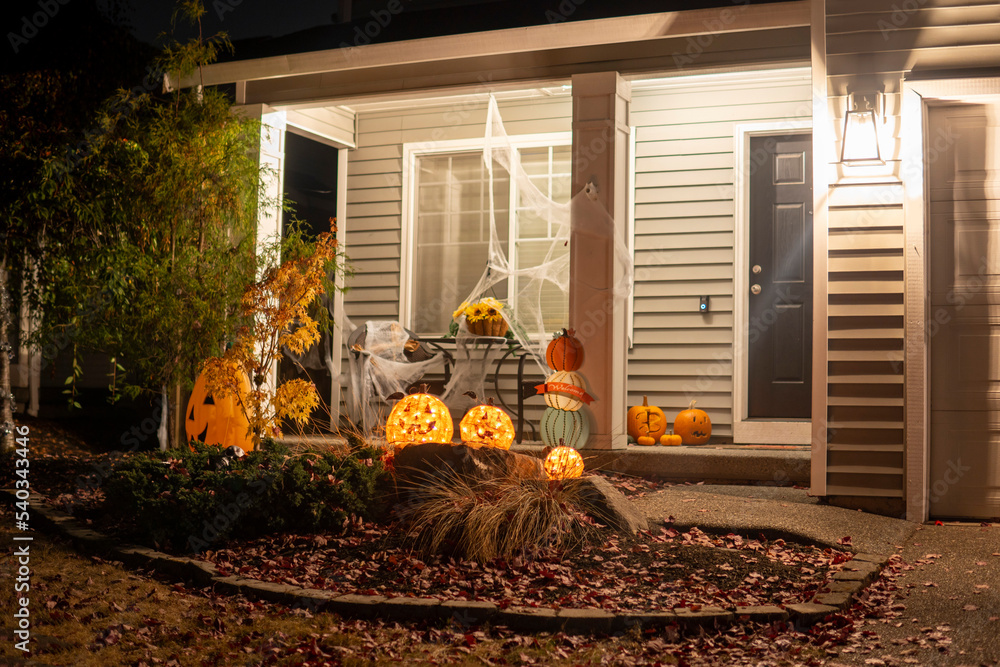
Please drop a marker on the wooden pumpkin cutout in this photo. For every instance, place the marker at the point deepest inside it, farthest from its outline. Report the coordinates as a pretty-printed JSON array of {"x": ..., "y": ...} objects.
[
  {"x": 419, "y": 418},
  {"x": 693, "y": 425},
  {"x": 564, "y": 352},
  {"x": 487, "y": 425},
  {"x": 217, "y": 421}
]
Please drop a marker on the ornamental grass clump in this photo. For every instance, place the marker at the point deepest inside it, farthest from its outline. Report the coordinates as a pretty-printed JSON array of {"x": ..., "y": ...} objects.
[{"x": 503, "y": 517}]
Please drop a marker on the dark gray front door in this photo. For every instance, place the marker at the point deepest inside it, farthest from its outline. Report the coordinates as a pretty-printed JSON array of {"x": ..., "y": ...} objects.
[{"x": 781, "y": 287}]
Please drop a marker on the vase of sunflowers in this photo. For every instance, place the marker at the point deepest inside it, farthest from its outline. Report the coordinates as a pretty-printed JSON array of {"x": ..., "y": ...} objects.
[{"x": 483, "y": 318}]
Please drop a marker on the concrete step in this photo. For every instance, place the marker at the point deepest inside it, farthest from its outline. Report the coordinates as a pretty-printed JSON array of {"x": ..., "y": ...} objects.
[{"x": 732, "y": 464}]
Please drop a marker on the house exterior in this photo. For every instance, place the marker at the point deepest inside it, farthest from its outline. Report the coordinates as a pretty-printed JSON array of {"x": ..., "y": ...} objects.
[{"x": 850, "y": 303}]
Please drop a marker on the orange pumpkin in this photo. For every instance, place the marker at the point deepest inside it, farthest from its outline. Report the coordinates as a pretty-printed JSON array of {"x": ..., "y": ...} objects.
[
  {"x": 565, "y": 352},
  {"x": 418, "y": 418},
  {"x": 646, "y": 423},
  {"x": 217, "y": 421},
  {"x": 670, "y": 440},
  {"x": 563, "y": 463},
  {"x": 487, "y": 425},
  {"x": 693, "y": 425}
]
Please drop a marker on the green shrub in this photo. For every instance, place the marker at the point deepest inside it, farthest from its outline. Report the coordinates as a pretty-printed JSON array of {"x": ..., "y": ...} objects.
[{"x": 190, "y": 500}]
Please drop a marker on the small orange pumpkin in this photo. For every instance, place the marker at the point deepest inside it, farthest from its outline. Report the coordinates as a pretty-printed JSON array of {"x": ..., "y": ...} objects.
[
  {"x": 419, "y": 418},
  {"x": 693, "y": 425},
  {"x": 565, "y": 352},
  {"x": 670, "y": 440},
  {"x": 563, "y": 463},
  {"x": 487, "y": 425},
  {"x": 646, "y": 423}
]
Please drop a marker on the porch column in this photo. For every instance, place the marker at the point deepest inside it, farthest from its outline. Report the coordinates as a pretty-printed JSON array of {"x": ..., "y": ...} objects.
[{"x": 600, "y": 156}]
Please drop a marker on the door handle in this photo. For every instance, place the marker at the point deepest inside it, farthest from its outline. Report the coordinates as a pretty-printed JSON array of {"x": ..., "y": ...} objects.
[
  {"x": 756, "y": 268},
  {"x": 755, "y": 289}
]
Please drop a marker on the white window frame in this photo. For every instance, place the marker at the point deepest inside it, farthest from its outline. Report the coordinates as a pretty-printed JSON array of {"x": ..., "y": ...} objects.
[{"x": 412, "y": 151}]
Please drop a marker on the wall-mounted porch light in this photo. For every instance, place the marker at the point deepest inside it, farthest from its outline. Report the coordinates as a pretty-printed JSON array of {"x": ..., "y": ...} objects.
[{"x": 865, "y": 112}]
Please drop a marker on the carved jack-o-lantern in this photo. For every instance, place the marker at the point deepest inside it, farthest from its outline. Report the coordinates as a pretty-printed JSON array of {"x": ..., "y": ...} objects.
[
  {"x": 693, "y": 425},
  {"x": 646, "y": 423},
  {"x": 563, "y": 463},
  {"x": 217, "y": 421},
  {"x": 418, "y": 418},
  {"x": 571, "y": 428},
  {"x": 487, "y": 425}
]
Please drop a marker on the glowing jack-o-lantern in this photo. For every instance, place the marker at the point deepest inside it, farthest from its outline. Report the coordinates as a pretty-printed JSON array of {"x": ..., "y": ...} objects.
[
  {"x": 487, "y": 425},
  {"x": 217, "y": 421},
  {"x": 563, "y": 463},
  {"x": 418, "y": 418}
]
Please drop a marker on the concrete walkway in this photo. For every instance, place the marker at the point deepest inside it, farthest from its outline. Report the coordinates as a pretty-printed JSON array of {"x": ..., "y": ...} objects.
[
  {"x": 776, "y": 512},
  {"x": 949, "y": 590},
  {"x": 951, "y": 598}
]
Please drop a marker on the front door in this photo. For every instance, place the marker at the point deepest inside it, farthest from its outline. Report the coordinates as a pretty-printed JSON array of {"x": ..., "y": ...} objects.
[
  {"x": 964, "y": 315},
  {"x": 779, "y": 337}
]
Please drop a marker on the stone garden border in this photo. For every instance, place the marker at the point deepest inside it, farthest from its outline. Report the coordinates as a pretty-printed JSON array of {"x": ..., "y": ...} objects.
[{"x": 846, "y": 584}]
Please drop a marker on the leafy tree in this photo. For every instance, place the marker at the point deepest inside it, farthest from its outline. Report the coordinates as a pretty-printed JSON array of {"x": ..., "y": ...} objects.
[
  {"x": 277, "y": 308},
  {"x": 47, "y": 99},
  {"x": 171, "y": 186}
]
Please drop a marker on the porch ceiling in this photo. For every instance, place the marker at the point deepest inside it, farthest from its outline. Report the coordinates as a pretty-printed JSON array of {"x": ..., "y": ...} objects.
[{"x": 688, "y": 40}]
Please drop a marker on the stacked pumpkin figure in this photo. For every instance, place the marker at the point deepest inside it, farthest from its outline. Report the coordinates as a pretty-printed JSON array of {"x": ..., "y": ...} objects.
[{"x": 565, "y": 424}]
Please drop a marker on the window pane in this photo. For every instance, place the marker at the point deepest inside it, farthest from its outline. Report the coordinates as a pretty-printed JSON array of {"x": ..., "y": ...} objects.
[
  {"x": 535, "y": 161},
  {"x": 452, "y": 234},
  {"x": 553, "y": 302}
]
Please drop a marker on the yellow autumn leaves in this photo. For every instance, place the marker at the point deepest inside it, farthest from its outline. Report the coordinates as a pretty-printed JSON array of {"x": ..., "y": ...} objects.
[{"x": 278, "y": 307}]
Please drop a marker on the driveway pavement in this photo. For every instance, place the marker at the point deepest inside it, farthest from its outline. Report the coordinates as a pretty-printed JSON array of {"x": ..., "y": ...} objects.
[
  {"x": 950, "y": 597},
  {"x": 776, "y": 512},
  {"x": 947, "y": 607}
]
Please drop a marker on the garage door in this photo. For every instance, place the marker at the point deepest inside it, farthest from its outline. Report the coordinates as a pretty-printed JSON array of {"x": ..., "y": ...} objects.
[{"x": 964, "y": 320}]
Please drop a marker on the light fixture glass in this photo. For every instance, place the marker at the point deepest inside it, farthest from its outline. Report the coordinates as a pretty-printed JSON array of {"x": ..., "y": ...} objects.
[{"x": 864, "y": 115}]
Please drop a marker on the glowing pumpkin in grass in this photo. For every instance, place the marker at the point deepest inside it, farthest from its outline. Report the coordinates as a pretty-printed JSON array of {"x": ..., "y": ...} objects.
[
  {"x": 646, "y": 423},
  {"x": 217, "y": 421},
  {"x": 419, "y": 418},
  {"x": 563, "y": 463},
  {"x": 565, "y": 352},
  {"x": 693, "y": 425},
  {"x": 560, "y": 426},
  {"x": 487, "y": 425}
]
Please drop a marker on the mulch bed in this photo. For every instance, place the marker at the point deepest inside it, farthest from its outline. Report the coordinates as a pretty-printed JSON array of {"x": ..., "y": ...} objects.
[
  {"x": 662, "y": 569},
  {"x": 655, "y": 570}
]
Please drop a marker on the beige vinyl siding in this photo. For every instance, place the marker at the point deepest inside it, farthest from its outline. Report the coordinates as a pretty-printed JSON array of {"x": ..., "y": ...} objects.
[
  {"x": 333, "y": 123},
  {"x": 684, "y": 235},
  {"x": 375, "y": 199},
  {"x": 873, "y": 43}
]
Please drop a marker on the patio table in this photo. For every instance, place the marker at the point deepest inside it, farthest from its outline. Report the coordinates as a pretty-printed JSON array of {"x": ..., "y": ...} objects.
[{"x": 456, "y": 352}]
